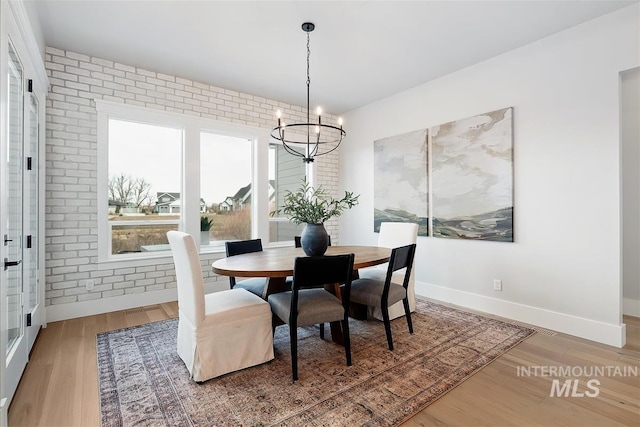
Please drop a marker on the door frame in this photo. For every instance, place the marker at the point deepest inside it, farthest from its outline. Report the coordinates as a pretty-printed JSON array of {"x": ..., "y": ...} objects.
[{"x": 15, "y": 24}]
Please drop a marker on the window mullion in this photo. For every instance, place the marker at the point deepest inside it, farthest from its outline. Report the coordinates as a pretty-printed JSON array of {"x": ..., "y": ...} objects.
[
  {"x": 191, "y": 181},
  {"x": 260, "y": 184},
  {"x": 104, "y": 230}
]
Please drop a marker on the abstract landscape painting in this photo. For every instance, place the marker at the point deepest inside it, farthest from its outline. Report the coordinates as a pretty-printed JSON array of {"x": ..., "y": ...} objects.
[
  {"x": 472, "y": 177},
  {"x": 400, "y": 180}
]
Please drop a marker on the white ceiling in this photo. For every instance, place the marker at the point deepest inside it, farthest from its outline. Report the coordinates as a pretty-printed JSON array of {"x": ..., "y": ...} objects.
[{"x": 361, "y": 51}]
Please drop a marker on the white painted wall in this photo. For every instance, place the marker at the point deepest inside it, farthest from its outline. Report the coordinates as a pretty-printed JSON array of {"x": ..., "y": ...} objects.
[
  {"x": 563, "y": 271},
  {"x": 630, "y": 160}
]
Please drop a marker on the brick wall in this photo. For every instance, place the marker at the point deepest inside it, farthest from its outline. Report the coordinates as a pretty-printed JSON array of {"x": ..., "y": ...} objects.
[{"x": 71, "y": 230}]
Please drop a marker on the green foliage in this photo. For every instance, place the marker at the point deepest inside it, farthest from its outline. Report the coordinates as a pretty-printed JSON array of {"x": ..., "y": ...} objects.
[
  {"x": 205, "y": 223},
  {"x": 314, "y": 205}
]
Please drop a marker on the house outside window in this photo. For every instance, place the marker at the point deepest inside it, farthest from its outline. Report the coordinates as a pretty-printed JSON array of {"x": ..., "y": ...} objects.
[{"x": 167, "y": 203}]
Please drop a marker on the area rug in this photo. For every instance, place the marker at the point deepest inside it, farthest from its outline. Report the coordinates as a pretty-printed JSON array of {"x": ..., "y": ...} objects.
[{"x": 144, "y": 382}]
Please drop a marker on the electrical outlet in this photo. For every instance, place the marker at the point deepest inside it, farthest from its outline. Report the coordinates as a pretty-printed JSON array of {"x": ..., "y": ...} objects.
[
  {"x": 89, "y": 284},
  {"x": 497, "y": 285}
]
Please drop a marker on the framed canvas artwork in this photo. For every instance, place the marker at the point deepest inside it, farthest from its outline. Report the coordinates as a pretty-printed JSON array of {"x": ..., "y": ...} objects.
[
  {"x": 400, "y": 180},
  {"x": 472, "y": 177}
]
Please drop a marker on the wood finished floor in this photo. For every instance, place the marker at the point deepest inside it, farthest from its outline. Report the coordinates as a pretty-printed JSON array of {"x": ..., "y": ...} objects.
[{"x": 60, "y": 384}]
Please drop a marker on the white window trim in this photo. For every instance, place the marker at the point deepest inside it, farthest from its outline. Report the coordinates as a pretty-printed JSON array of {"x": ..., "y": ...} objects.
[{"x": 189, "y": 220}]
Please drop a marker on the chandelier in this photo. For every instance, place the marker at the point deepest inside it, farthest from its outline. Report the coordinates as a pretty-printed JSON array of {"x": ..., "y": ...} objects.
[{"x": 306, "y": 140}]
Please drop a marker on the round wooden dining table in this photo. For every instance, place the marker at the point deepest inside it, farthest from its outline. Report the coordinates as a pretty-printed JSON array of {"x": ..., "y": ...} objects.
[{"x": 276, "y": 264}]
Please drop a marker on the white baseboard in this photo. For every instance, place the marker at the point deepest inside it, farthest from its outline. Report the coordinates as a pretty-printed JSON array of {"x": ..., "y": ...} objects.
[
  {"x": 614, "y": 335},
  {"x": 631, "y": 307},
  {"x": 610, "y": 334},
  {"x": 74, "y": 310},
  {"x": 105, "y": 305}
]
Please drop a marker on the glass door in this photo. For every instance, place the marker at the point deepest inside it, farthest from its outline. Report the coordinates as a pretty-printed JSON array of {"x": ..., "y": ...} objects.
[
  {"x": 16, "y": 347},
  {"x": 34, "y": 310}
]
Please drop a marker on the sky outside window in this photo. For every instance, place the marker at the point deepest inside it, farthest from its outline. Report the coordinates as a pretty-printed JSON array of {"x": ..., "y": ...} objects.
[{"x": 154, "y": 153}]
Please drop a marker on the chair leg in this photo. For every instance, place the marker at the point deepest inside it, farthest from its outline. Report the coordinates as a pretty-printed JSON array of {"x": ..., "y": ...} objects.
[
  {"x": 387, "y": 325},
  {"x": 322, "y": 330},
  {"x": 407, "y": 313},
  {"x": 293, "y": 336},
  {"x": 347, "y": 340}
]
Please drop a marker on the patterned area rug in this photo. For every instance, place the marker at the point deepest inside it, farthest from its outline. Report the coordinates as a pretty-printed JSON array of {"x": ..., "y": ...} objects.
[{"x": 144, "y": 382}]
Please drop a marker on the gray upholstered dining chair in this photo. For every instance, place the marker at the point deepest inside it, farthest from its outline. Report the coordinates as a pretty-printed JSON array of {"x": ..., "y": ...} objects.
[
  {"x": 255, "y": 285},
  {"x": 308, "y": 303},
  {"x": 219, "y": 332},
  {"x": 383, "y": 293},
  {"x": 298, "y": 244},
  {"x": 392, "y": 235}
]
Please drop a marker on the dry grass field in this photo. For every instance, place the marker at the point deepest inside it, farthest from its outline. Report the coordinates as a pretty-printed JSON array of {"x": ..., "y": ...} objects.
[{"x": 129, "y": 238}]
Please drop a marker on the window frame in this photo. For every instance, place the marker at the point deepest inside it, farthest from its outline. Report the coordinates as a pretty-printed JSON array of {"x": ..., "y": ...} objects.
[
  {"x": 141, "y": 222},
  {"x": 189, "y": 221}
]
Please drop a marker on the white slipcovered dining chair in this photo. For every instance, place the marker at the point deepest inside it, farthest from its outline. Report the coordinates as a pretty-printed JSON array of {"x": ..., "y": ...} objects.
[
  {"x": 393, "y": 235},
  {"x": 219, "y": 332}
]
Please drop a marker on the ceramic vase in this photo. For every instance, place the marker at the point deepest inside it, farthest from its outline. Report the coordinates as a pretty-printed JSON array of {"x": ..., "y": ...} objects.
[{"x": 314, "y": 239}]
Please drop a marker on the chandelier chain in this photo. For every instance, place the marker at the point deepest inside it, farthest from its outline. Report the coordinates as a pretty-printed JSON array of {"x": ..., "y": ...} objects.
[{"x": 308, "y": 55}]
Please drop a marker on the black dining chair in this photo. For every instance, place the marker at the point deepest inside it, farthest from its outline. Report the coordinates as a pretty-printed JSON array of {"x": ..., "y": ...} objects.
[
  {"x": 383, "y": 293},
  {"x": 254, "y": 285},
  {"x": 309, "y": 303},
  {"x": 298, "y": 244}
]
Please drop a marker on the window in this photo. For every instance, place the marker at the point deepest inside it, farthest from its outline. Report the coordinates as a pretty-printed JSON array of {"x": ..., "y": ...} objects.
[
  {"x": 144, "y": 183},
  {"x": 160, "y": 171},
  {"x": 286, "y": 172},
  {"x": 225, "y": 189}
]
